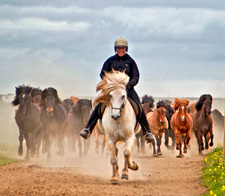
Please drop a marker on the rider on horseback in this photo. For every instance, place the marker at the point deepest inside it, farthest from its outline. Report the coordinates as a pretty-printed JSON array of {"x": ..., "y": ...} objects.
[{"x": 120, "y": 61}]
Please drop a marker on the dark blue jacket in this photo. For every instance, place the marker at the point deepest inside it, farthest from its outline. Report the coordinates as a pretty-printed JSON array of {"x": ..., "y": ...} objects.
[{"x": 120, "y": 64}]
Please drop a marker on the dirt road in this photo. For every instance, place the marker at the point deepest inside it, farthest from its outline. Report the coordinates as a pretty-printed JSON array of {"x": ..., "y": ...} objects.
[{"x": 90, "y": 175}]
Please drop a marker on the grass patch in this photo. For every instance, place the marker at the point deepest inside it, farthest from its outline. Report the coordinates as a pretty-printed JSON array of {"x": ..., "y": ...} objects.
[
  {"x": 214, "y": 173},
  {"x": 7, "y": 152}
]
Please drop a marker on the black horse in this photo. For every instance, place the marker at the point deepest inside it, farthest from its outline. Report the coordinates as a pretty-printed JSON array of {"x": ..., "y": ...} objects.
[
  {"x": 53, "y": 118},
  {"x": 77, "y": 119},
  {"x": 169, "y": 133},
  {"x": 27, "y": 117}
]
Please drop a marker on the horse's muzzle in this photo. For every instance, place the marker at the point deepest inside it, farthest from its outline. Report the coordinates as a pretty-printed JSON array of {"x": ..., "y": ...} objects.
[
  {"x": 115, "y": 116},
  {"x": 162, "y": 122}
]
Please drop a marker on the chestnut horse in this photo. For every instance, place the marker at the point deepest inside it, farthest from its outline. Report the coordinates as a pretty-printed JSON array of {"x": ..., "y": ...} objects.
[
  {"x": 202, "y": 121},
  {"x": 181, "y": 123},
  {"x": 27, "y": 118},
  {"x": 158, "y": 124},
  {"x": 147, "y": 105}
]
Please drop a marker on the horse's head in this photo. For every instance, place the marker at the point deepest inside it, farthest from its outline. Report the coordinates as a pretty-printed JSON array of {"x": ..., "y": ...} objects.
[
  {"x": 84, "y": 107},
  {"x": 22, "y": 98},
  {"x": 205, "y": 102},
  {"x": 36, "y": 96},
  {"x": 118, "y": 100},
  {"x": 161, "y": 109},
  {"x": 50, "y": 99},
  {"x": 169, "y": 112},
  {"x": 147, "y": 107},
  {"x": 113, "y": 87},
  {"x": 181, "y": 105}
]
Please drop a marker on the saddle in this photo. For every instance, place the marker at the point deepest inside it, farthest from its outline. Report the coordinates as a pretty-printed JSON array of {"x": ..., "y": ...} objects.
[{"x": 136, "y": 106}]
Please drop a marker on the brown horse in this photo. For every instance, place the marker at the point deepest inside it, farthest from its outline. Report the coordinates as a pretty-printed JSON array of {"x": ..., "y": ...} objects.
[
  {"x": 147, "y": 105},
  {"x": 27, "y": 118},
  {"x": 77, "y": 119},
  {"x": 53, "y": 118},
  {"x": 181, "y": 123},
  {"x": 203, "y": 121},
  {"x": 75, "y": 99},
  {"x": 158, "y": 123}
]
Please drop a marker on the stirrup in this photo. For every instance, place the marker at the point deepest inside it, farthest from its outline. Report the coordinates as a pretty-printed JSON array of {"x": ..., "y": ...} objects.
[
  {"x": 85, "y": 133},
  {"x": 149, "y": 137}
]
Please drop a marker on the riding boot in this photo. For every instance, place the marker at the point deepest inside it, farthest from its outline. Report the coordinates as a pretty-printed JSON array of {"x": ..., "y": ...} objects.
[
  {"x": 145, "y": 127},
  {"x": 96, "y": 114}
]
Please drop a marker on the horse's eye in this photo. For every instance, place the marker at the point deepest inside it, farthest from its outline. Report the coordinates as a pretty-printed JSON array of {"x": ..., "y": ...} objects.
[
  {"x": 123, "y": 96},
  {"x": 110, "y": 96}
]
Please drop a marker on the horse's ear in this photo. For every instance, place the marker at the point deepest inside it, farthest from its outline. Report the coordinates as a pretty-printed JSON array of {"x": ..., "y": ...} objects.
[
  {"x": 176, "y": 105},
  {"x": 187, "y": 102},
  {"x": 43, "y": 94}
]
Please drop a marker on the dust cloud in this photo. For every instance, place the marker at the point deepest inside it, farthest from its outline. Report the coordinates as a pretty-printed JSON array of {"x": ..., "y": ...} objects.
[{"x": 93, "y": 164}]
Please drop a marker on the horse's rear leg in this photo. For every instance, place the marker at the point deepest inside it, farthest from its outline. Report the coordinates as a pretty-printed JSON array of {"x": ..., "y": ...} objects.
[
  {"x": 154, "y": 150},
  {"x": 159, "y": 141}
]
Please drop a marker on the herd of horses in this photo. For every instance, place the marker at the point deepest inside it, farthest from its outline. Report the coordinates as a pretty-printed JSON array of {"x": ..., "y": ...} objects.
[{"x": 45, "y": 120}]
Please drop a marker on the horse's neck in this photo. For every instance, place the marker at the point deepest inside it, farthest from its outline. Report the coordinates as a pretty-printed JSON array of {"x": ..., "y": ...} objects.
[{"x": 202, "y": 113}]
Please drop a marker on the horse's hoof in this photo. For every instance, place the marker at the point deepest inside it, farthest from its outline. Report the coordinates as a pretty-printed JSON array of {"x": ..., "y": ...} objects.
[
  {"x": 114, "y": 180},
  {"x": 159, "y": 153},
  {"x": 200, "y": 153},
  {"x": 178, "y": 147},
  {"x": 124, "y": 176},
  {"x": 185, "y": 151},
  {"x": 211, "y": 143},
  {"x": 134, "y": 166},
  {"x": 155, "y": 155},
  {"x": 180, "y": 156}
]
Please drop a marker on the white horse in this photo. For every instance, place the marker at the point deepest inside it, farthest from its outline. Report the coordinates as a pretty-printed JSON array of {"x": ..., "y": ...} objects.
[{"x": 118, "y": 120}]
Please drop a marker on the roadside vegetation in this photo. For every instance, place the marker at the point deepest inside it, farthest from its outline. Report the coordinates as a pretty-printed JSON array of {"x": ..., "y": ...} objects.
[
  {"x": 7, "y": 152},
  {"x": 214, "y": 173}
]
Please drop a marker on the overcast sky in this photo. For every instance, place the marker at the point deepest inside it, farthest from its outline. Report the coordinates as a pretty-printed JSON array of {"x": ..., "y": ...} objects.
[{"x": 179, "y": 46}]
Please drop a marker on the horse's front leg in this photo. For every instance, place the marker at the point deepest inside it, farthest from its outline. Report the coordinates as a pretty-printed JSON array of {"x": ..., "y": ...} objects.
[
  {"x": 159, "y": 141},
  {"x": 127, "y": 156},
  {"x": 28, "y": 144},
  {"x": 60, "y": 142},
  {"x": 177, "y": 138},
  {"x": 211, "y": 137},
  {"x": 167, "y": 139},
  {"x": 187, "y": 140},
  {"x": 20, "y": 149},
  {"x": 114, "y": 162},
  {"x": 206, "y": 137}
]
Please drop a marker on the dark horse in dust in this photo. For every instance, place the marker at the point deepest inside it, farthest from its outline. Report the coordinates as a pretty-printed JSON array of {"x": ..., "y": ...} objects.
[
  {"x": 77, "y": 119},
  {"x": 169, "y": 133},
  {"x": 53, "y": 118},
  {"x": 27, "y": 118},
  {"x": 147, "y": 105},
  {"x": 202, "y": 121}
]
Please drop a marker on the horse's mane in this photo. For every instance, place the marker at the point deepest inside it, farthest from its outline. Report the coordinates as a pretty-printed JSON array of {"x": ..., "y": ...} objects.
[
  {"x": 111, "y": 81},
  {"x": 35, "y": 91},
  {"x": 51, "y": 91},
  {"x": 20, "y": 89},
  {"x": 161, "y": 104},
  {"x": 178, "y": 101},
  {"x": 201, "y": 100},
  {"x": 146, "y": 99}
]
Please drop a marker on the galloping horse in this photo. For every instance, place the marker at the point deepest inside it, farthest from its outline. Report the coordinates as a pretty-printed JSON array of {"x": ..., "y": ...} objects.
[
  {"x": 76, "y": 120},
  {"x": 118, "y": 120},
  {"x": 181, "y": 123},
  {"x": 148, "y": 105},
  {"x": 202, "y": 121},
  {"x": 27, "y": 117},
  {"x": 53, "y": 117},
  {"x": 158, "y": 124},
  {"x": 169, "y": 133}
]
